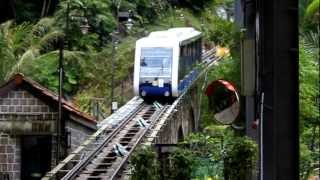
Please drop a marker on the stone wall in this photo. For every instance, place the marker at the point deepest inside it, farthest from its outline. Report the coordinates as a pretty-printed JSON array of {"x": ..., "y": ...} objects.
[
  {"x": 78, "y": 134},
  {"x": 185, "y": 120},
  {"x": 21, "y": 112},
  {"x": 9, "y": 157}
]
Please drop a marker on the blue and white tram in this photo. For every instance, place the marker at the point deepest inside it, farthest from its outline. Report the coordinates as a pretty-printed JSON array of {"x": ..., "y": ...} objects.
[{"x": 165, "y": 62}]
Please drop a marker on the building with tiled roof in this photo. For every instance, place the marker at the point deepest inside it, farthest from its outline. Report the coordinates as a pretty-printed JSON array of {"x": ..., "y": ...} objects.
[{"x": 28, "y": 118}]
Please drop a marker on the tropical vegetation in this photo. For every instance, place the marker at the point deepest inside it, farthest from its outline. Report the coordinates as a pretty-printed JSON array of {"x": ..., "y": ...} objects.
[{"x": 30, "y": 38}]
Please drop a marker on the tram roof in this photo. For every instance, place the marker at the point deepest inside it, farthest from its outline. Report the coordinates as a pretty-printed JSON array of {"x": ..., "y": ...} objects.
[{"x": 181, "y": 35}]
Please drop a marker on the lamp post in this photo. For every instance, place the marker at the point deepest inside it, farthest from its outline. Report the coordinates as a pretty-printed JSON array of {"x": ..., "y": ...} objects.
[
  {"x": 60, "y": 89},
  {"x": 115, "y": 40},
  {"x": 113, "y": 103},
  {"x": 84, "y": 27}
]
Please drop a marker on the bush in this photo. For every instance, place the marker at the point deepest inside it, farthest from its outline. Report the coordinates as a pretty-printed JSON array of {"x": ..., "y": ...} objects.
[
  {"x": 144, "y": 164},
  {"x": 182, "y": 163},
  {"x": 240, "y": 157}
]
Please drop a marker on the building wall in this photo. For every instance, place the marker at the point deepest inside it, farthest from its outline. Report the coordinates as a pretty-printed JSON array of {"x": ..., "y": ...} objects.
[
  {"x": 21, "y": 114},
  {"x": 9, "y": 157},
  {"x": 78, "y": 134}
]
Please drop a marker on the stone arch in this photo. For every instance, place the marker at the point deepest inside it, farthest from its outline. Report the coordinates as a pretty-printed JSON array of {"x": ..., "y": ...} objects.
[
  {"x": 192, "y": 120},
  {"x": 180, "y": 134}
]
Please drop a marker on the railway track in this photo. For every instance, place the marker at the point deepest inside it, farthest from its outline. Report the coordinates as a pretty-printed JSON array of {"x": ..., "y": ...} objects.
[
  {"x": 104, "y": 154},
  {"x": 109, "y": 155}
]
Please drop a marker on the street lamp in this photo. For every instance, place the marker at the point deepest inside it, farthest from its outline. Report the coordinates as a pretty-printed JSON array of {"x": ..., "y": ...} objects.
[
  {"x": 129, "y": 23},
  {"x": 114, "y": 105},
  {"x": 84, "y": 27}
]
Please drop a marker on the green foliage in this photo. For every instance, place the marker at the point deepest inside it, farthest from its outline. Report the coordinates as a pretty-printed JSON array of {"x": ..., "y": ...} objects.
[
  {"x": 12, "y": 45},
  {"x": 27, "y": 10},
  {"x": 312, "y": 12},
  {"x": 98, "y": 15},
  {"x": 220, "y": 153},
  {"x": 21, "y": 44},
  {"x": 146, "y": 9},
  {"x": 309, "y": 83},
  {"x": 224, "y": 33},
  {"x": 195, "y": 5},
  {"x": 144, "y": 164},
  {"x": 309, "y": 103},
  {"x": 312, "y": 8},
  {"x": 207, "y": 151},
  {"x": 309, "y": 15},
  {"x": 44, "y": 70},
  {"x": 215, "y": 154},
  {"x": 309, "y": 151},
  {"x": 181, "y": 164},
  {"x": 240, "y": 155}
]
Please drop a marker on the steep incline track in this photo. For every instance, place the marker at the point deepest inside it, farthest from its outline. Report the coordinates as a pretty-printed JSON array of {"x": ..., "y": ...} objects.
[
  {"x": 108, "y": 156},
  {"x": 104, "y": 154},
  {"x": 106, "y": 159}
]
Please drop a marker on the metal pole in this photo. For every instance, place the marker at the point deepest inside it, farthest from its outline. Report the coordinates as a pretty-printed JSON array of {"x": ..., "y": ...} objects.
[
  {"x": 112, "y": 71},
  {"x": 118, "y": 24},
  {"x": 122, "y": 92},
  {"x": 114, "y": 56},
  {"x": 59, "y": 121},
  {"x": 67, "y": 25},
  {"x": 172, "y": 15}
]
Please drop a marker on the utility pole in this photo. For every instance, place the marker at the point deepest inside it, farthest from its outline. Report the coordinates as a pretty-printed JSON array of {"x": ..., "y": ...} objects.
[
  {"x": 279, "y": 87},
  {"x": 60, "y": 119},
  {"x": 269, "y": 78},
  {"x": 113, "y": 104},
  {"x": 67, "y": 25}
]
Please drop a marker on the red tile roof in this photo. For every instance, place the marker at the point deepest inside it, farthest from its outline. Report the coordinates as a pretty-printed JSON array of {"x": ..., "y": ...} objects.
[{"x": 20, "y": 79}]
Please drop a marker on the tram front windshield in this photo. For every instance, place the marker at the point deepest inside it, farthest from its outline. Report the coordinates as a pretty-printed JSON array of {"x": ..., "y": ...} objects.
[{"x": 155, "y": 62}]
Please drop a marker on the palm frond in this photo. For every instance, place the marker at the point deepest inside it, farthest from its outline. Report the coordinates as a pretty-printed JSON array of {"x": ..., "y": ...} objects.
[
  {"x": 312, "y": 38},
  {"x": 48, "y": 39},
  {"x": 312, "y": 8},
  {"x": 5, "y": 27},
  {"x": 25, "y": 58},
  {"x": 42, "y": 27}
]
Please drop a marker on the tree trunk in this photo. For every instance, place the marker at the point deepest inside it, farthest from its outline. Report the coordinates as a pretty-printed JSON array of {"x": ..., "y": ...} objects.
[
  {"x": 48, "y": 7},
  {"x": 44, "y": 7},
  {"x": 13, "y": 9}
]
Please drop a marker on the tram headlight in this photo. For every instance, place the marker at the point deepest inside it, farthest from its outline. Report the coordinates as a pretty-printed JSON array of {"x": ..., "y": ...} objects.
[
  {"x": 167, "y": 93},
  {"x": 143, "y": 93}
]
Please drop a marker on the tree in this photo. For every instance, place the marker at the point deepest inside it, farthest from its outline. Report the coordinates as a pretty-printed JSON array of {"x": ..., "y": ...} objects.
[
  {"x": 309, "y": 103},
  {"x": 309, "y": 15},
  {"x": 23, "y": 43}
]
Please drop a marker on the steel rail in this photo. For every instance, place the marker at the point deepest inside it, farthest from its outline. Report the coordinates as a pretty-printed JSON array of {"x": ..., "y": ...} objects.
[
  {"x": 82, "y": 151},
  {"x": 80, "y": 166},
  {"x": 208, "y": 59},
  {"x": 154, "y": 118}
]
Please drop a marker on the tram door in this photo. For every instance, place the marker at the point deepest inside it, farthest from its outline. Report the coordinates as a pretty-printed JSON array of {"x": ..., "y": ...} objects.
[{"x": 35, "y": 156}]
